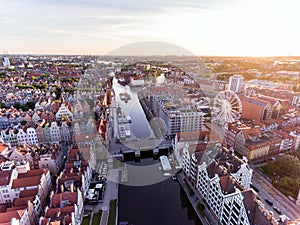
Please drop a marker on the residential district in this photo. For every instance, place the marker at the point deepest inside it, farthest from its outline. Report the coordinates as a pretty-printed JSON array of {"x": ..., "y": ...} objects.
[{"x": 230, "y": 128}]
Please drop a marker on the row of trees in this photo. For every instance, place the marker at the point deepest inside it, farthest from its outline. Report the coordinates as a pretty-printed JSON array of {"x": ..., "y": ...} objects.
[
  {"x": 34, "y": 86},
  {"x": 284, "y": 173}
]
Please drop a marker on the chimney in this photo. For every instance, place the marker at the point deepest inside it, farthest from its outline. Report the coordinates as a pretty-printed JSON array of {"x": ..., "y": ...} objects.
[
  {"x": 58, "y": 214},
  {"x": 72, "y": 187}
]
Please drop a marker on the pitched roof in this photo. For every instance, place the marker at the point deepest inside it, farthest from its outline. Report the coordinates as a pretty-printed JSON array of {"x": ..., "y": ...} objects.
[
  {"x": 3, "y": 147},
  {"x": 7, "y": 216},
  {"x": 58, "y": 199},
  {"x": 59, "y": 214},
  {"x": 253, "y": 208},
  {"x": 5, "y": 177},
  {"x": 251, "y": 132},
  {"x": 228, "y": 184},
  {"x": 28, "y": 193},
  {"x": 22, "y": 201},
  {"x": 32, "y": 173},
  {"x": 26, "y": 182}
]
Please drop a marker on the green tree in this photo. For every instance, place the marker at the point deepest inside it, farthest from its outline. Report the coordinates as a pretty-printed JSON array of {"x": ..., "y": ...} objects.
[
  {"x": 23, "y": 122},
  {"x": 17, "y": 105}
]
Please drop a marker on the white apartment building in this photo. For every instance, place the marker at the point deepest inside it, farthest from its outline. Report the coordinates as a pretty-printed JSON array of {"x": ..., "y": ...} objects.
[{"x": 236, "y": 83}]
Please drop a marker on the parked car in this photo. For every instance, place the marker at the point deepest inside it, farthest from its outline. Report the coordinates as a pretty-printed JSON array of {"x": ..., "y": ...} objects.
[
  {"x": 269, "y": 201},
  {"x": 277, "y": 210},
  {"x": 254, "y": 187}
]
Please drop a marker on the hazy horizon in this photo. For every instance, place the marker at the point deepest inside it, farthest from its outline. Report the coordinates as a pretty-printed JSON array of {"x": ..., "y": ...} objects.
[{"x": 204, "y": 27}]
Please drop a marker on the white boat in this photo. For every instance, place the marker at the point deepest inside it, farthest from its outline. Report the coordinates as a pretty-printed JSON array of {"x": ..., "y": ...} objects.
[
  {"x": 128, "y": 119},
  {"x": 124, "y": 118},
  {"x": 165, "y": 163},
  {"x": 120, "y": 119},
  {"x": 166, "y": 174},
  {"x": 122, "y": 131},
  {"x": 127, "y": 133},
  {"x": 122, "y": 135}
]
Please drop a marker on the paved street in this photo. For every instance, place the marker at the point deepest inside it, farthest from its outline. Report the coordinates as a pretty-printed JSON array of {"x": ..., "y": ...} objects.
[
  {"x": 111, "y": 193},
  {"x": 268, "y": 191}
]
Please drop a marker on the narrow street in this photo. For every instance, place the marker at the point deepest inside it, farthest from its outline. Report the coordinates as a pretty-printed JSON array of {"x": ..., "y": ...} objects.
[{"x": 268, "y": 191}]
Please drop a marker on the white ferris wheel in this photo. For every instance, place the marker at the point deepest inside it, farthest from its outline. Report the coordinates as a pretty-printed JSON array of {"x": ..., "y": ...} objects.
[{"x": 227, "y": 107}]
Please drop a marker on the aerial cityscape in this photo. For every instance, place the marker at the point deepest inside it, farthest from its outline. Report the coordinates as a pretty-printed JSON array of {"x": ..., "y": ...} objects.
[{"x": 149, "y": 113}]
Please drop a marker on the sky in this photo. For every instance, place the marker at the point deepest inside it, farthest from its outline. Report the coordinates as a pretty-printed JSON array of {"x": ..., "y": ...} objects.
[{"x": 203, "y": 27}]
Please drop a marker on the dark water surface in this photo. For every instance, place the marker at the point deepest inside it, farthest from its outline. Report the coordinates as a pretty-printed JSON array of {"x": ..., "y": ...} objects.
[{"x": 163, "y": 203}]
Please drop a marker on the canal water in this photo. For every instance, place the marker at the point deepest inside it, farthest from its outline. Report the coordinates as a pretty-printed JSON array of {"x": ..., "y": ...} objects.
[
  {"x": 163, "y": 203},
  {"x": 140, "y": 128},
  {"x": 149, "y": 198}
]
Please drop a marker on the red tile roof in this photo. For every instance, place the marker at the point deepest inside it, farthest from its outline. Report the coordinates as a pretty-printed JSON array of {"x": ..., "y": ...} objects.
[
  {"x": 26, "y": 182},
  {"x": 84, "y": 137},
  {"x": 32, "y": 173},
  {"x": 3, "y": 147},
  {"x": 7, "y": 216},
  {"x": 5, "y": 177},
  {"x": 22, "y": 201},
  {"x": 28, "y": 193},
  {"x": 53, "y": 212},
  {"x": 57, "y": 199}
]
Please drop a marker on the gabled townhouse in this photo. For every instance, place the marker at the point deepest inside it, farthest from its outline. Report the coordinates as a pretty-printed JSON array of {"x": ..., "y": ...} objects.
[
  {"x": 35, "y": 117},
  {"x": 286, "y": 142},
  {"x": 65, "y": 132},
  {"x": 33, "y": 179},
  {"x": 12, "y": 137},
  {"x": 17, "y": 217},
  {"x": 235, "y": 166},
  {"x": 31, "y": 137},
  {"x": 85, "y": 140},
  {"x": 275, "y": 142},
  {"x": 52, "y": 159},
  {"x": 55, "y": 132},
  {"x": 63, "y": 113},
  {"x": 251, "y": 143},
  {"x": 17, "y": 155},
  {"x": 68, "y": 199},
  {"x": 63, "y": 216},
  {"x": 30, "y": 203},
  {"x": 229, "y": 202},
  {"x": 4, "y": 122},
  {"x": 77, "y": 172},
  {"x": 19, "y": 136},
  {"x": 22, "y": 136},
  {"x": 6, "y": 180},
  {"x": 5, "y": 136},
  {"x": 191, "y": 158},
  {"x": 231, "y": 132},
  {"x": 40, "y": 134},
  {"x": 191, "y": 138},
  {"x": 47, "y": 132}
]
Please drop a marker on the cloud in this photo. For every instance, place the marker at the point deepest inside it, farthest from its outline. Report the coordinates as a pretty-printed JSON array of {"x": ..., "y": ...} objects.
[{"x": 133, "y": 6}]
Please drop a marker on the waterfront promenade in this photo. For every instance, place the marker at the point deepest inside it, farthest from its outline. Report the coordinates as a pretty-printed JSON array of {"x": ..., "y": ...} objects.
[{"x": 208, "y": 219}]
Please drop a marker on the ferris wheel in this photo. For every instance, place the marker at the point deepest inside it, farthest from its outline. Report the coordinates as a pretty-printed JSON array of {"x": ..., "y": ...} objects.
[{"x": 227, "y": 107}]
